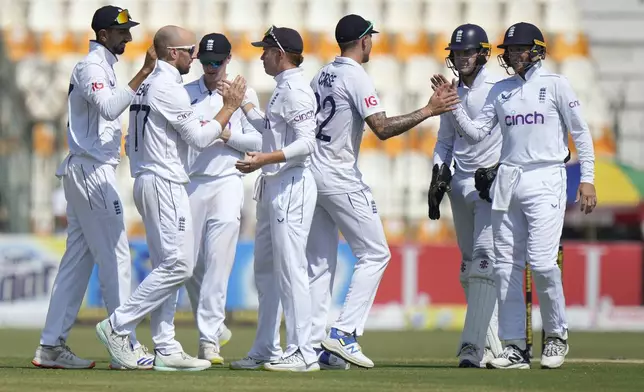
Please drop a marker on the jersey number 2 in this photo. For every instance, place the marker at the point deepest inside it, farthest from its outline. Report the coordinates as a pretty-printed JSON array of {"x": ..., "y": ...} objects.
[
  {"x": 329, "y": 99},
  {"x": 139, "y": 108}
]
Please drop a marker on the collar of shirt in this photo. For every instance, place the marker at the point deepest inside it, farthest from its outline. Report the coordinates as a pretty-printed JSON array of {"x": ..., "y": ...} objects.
[
  {"x": 288, "y": 74},
  {"x": 163, "y": 66},
  {"x": 478, "y": 80},
  {"x": 203, "y": 89},
  {"x": 535, "y": 70},
  {"x": 346, "y": 60},
  {"x": 102, "y": 51}
]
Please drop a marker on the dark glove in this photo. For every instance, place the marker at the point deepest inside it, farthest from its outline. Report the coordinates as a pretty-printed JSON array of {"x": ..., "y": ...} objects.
[
  {"x": 483, "y": 179},
  {"x": 440, "y": 184}
]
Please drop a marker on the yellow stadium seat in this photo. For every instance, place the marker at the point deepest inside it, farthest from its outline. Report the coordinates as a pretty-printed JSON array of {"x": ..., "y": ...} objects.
[
  {"x": 380, "y": 44},
  {"x": 43, "y": 140},
  {"x": 19, "y": 43},
  {"x": 427, "y": 143},
  {"x": 369, "y": 140},
  {"x": 564, "y": 46},
  {"x": 242, "y": 48},
  {"x": 395, "y": 145},
  {"x": 53, "y": 44},
  {"x": 434, "y": 232},
  {"x": 82, "y": 42},
  {"x": 414, "y": 141},
  {"x": 325, "y": 46},
  {"x": 394, "y": 230},
  {"x": 136, "y": 230},
  {"x": 439, "y": 43},
  {"x": 407, "y": 45}
]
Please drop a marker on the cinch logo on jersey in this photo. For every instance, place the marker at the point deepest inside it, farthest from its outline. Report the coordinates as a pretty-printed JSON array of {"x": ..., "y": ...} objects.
[
  {"x": 574, "y": 104},
  {"x": 183, "y": 116},
  {"x": 522, "y": 119},
  {"x": 304, "y": 116}
]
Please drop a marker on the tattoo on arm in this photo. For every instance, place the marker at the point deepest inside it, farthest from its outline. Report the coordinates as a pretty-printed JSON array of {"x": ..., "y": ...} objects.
[{"x": 386, "y": 127}]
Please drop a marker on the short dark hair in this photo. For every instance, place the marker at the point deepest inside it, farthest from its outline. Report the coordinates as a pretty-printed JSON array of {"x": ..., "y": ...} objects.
[
  {"x": 295, "y": 59},
  {"x": 348, "y": 45}
]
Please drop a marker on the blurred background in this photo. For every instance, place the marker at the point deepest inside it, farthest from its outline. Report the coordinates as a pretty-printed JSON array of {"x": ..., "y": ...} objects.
[{"x": 597, "y": 44}]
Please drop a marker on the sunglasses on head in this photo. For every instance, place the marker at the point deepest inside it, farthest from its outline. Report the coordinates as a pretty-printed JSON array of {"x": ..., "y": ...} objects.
[
  {"x": 369, "y": 28},
  {"x": 270, "y": 33},
  {"x": 186, "y": 48},
  {"x": 214, "y": 64},
  {"x": 123, "y": 17}
]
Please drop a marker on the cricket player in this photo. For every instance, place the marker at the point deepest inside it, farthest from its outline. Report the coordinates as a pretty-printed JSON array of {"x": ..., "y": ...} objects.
[
  {"x": 285, "y": 193},
  {"x": 96, "y": 231},
  {"x": 346, "y": 98},
  {"x": 469, "y": 50},
  {"x": 216, "y": 194},
  {"x": 162, "y": 126},
  {"x": 535, "y": 110}
]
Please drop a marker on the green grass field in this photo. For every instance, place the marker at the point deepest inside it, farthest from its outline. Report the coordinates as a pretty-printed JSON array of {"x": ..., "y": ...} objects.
[{"x": 405, "y": 361}]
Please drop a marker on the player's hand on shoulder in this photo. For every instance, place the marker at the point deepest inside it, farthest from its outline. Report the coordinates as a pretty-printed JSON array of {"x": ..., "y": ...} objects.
[
  {"x": 234, "y": 92},
  {"x": 150, "y": 60},
  {"x": 588, "y": 197}
]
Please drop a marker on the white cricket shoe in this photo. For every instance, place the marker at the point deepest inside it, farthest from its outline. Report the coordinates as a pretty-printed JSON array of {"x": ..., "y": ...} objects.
[
  {"x": 59, "y": 357},
  {"x": 210, "y": 352},
  {"x": 145, "y": 359},
  {"x": 488, "y": 356},
  {"x": 225, "y": 335},
  {"x": 118, "y": 346},
  {"x": 179, "y": 362},
  {"x": 292, "y": 363},
  {"x": 468, "y": 357},
  {"x": 346, "y": 347},
  {"x": 554, "y": 353},
  {"x": 330, "y": 361},
  {"x": 248, "y": 363},
  {"x": 512, "y": 357}
]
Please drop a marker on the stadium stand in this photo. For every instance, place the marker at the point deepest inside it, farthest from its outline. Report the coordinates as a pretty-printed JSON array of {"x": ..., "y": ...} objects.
[{"x": 600, "y": 52}]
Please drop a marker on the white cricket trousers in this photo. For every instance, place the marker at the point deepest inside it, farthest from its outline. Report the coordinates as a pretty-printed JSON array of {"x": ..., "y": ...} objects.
[
  {"x": 531, "y": 230},
  {"x": 216, "y": 205},
  {"x": 165, "y": 210},
  {"x": 285, "y": 205},
  {"x": 95, "y": 234},
  {"x": 356, "y": 216},
  {"x": 473, "y": 225}
]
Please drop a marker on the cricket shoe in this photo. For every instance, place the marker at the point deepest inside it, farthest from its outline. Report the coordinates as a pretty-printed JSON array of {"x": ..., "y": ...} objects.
[
  {"x": 118, "y": 346},
  {"x": 145, "y": 359},
  {"x": 210, "y": 352},
  {"x": 512, "y": 357},
  {"x": 554, "y": 353},
  {"x": 346, "y": 347},
  {"x": 292, "y": 363},
  {"x": 225, "y": 335},
  {"x": 248, "y": 363},
  {"x": 59, "y": 357},
  {"x": 177, "y": 362},
  {"x": 330, "y": 361},
  {"x": 488, "y": 356},
  {"x": 468, "y": 357}
]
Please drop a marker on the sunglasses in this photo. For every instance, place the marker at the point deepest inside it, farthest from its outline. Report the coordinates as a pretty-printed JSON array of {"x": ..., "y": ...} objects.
[
  {"x": 270, "y": 33},
  {"x": 187, "y": 48},
  {"x": 214, "y": 64},
  {"x": 123, "y": 17},
  {"x": 369, "y": 28}
]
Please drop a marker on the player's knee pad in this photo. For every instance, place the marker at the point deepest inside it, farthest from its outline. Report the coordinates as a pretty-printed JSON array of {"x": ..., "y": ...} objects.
[
  {"x": 481, "y": 269},
  {"x": 465, "y": 272}
]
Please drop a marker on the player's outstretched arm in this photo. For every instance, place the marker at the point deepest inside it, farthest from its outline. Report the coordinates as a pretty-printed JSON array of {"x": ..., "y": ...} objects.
[
  {"x": 148, "y": 66},
  {"x": 94, "y": 83},
  {"x": 443, "y": 100},
  {"x": 250, "y": 107}
]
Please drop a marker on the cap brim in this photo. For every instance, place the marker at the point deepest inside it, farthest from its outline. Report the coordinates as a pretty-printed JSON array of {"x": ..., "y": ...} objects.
[
  {"x": 126, "y": 25},
  {"x": 263, "y": 44},
  {"x": 210, "y": 56}
]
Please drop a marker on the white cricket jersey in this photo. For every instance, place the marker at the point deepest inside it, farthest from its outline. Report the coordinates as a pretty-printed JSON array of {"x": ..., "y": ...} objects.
[
  {"x": 468, "y": 157},
  {"x": 95, "y": 103},
  {"x": 345, "y": 96},
  {"x": 219, "y": 159},
  {"x": 163, "y": 124},
  {"x": 290, "y": 121},
  {"x": 535, "y": 116}
]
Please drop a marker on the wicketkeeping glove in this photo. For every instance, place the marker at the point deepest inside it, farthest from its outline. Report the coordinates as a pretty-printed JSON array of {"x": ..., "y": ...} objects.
[
  {"x": 439, "y": 185},
  {"x": 483, "y": 179}
]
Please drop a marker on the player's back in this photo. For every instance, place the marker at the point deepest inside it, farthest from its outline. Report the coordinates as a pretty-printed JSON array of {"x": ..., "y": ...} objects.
[
  {"x": 345, "y": 97},
  {"x": 154, "y": 145}
]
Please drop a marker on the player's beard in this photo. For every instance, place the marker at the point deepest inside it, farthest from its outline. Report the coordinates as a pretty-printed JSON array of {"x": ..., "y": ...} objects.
[{"x": 119, "y": 49}]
